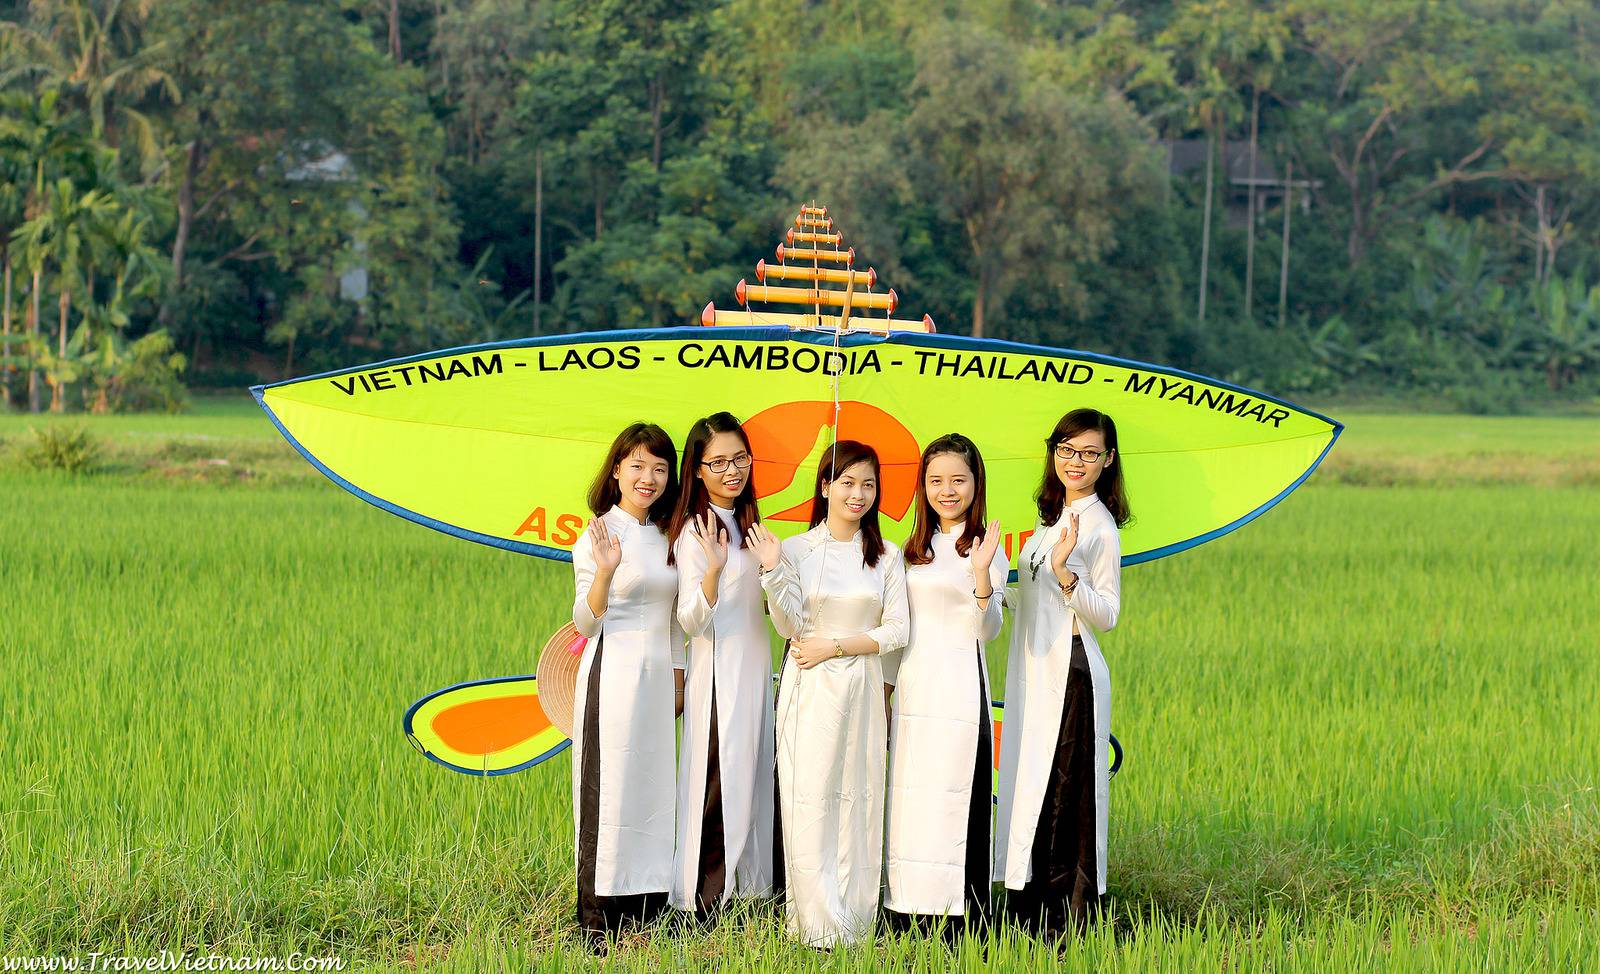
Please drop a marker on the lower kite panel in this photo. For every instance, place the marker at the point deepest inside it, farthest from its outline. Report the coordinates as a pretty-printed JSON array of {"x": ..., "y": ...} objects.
[{"x": 485, "y": 727}]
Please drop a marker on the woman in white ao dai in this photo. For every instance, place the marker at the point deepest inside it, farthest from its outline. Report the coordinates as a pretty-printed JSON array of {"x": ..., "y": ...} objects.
[
  {"x": 1054, "y": 762},
  {"x": 725, "y": 769},
  {"x": 838, "y": 595},
  {"x": 941, "y": 756},
  {"x": 624, "y": 709}
]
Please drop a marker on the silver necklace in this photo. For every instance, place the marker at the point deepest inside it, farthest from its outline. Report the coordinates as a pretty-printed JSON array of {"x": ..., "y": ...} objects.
[{"x": 1040, "y": 556}]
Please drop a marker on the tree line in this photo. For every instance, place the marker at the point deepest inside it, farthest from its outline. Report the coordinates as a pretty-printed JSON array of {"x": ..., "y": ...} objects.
[{"x": 1311, "y": 195}]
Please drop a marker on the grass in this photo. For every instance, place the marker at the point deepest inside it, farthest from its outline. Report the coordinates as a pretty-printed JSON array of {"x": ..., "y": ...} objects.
[
  {"x": 1389, "y": 449},
  {"x": 222, "y": 440},
  {"x": 1361, "y": 733},
  {"x": 219, "y": 417}
]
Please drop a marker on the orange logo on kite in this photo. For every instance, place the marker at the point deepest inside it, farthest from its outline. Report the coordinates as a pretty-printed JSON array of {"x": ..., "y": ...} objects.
[
  {"x": 781, "y": 436},
  {"x": 490, "y": 725}
]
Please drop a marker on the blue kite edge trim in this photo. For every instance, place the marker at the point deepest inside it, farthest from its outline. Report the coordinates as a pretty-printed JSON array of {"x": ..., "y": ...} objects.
[{"x": 481, "y": 773}]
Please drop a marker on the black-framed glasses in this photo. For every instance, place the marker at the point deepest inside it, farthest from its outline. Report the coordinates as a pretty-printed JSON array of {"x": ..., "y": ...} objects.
[
  {"x": 742, "y": 461},
  {"x": 1065, "y": 452}
]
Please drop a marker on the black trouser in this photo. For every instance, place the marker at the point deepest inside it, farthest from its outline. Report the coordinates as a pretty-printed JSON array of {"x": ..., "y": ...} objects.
[
  {"x": 713, "y": 831},
  {"x": 1064, "y": 890},
  {"x": 600, "y": 914}
]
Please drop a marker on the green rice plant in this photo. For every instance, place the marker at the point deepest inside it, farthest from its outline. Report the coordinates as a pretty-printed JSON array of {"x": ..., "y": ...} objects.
[{"x": 1361, "y": 734}]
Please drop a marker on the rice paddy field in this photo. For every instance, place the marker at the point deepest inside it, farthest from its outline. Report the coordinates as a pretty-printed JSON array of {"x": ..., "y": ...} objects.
[{"x": 1363, "y": 733}]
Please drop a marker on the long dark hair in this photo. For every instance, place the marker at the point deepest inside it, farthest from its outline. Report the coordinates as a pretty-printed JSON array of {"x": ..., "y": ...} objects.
[
  {"x": 605, "y": 493},
  {"x": 693, "y": 499},
  {"x": 1052, "y": 493},
  {"x": 919, "y": 547},
  {"x": 841, "y": 457}
]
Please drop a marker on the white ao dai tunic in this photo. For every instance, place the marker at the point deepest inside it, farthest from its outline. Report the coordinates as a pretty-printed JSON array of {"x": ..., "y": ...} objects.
[
  {"x": 941, "y": 707},
  {"x": 638, "y": 642},
  {"x": 1036, "y": 679},
  {"x": 728, "y": 653},
  {"x": 832, "y": 732}
]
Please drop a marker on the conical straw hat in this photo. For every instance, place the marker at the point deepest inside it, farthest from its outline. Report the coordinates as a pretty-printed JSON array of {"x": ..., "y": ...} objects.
[{"x": 558, "y": 675}]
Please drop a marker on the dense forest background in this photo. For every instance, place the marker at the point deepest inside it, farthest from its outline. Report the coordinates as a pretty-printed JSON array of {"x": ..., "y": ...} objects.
[{"x": 1313, "y": 196}]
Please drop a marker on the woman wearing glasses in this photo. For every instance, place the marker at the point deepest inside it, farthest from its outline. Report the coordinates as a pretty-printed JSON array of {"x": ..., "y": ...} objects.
[
  {"x": 725, "y": 776},
  {"x": 1051, "y": 827}
]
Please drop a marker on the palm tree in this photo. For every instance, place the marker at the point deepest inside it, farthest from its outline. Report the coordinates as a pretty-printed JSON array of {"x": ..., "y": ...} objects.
[
  {"x": 138, "y": 270},
  {"x": 61, "y": 234},
  {"x": 45, "y": 144},
  {"x": 138, "y": 267},
  {"x": 14, "y": 172},
  {"x": 95, "y": 52},
  {"x": 1227, "y": 44}
]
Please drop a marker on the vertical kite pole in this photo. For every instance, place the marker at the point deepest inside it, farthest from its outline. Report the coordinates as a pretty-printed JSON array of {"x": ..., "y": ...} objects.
[
  {"x": 816, "y": 292},
  {"x": 849, "y": 295}
]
